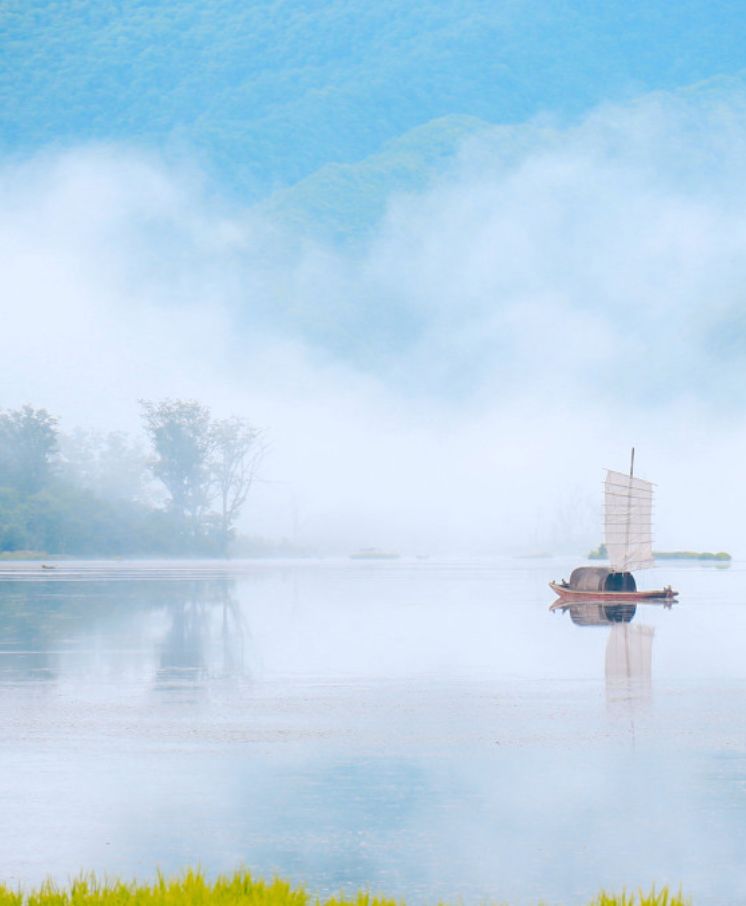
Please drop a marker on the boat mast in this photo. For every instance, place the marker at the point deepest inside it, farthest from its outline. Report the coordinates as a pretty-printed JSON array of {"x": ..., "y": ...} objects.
[{"x": 629, "y": 505}]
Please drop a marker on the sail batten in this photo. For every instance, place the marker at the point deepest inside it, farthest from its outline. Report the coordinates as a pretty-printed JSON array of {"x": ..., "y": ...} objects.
[{"x": 628, "y": 521}]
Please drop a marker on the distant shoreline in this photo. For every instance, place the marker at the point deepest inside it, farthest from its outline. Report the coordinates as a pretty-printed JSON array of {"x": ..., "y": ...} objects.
[{"x": 721, "y": 556}]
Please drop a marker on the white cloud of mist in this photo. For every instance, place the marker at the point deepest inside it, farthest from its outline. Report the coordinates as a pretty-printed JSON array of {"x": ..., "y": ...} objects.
[{"x": 457, "y": 381}]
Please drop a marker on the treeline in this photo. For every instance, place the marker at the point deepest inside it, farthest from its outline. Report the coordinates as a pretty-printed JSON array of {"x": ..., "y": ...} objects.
[
  {"x": 86, "y": 493},
  {"x": 600, "y": 553}
]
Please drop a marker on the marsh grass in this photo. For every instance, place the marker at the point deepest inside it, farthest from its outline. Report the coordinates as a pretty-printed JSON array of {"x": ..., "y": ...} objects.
[
  {"x": 662, "y": 897},
  {"x": 195, "y": 889}
]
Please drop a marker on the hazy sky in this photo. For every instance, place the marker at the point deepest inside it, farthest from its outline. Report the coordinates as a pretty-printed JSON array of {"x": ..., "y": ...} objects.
[{"x": 458, "y": 379}]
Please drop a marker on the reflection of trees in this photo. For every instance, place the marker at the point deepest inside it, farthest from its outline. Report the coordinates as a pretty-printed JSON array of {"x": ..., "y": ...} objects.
[
  {"x": 28, "y": 627},
  {"x": 205, "y": 637},
  {"x": 232, "y": 635},
  {"x": 182, "y": 651},
  {"x": 43, "y": 621}
]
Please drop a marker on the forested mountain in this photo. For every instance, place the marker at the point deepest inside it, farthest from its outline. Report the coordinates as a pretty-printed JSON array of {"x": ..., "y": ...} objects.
[{"x": 266, "y": 93}]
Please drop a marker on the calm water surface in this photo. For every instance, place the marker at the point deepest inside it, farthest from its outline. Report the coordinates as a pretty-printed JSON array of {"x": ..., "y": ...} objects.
[{"x": 423, "y": 729}]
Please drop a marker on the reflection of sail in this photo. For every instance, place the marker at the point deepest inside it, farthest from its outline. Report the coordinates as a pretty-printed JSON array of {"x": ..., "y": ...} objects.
[
  {"x": 629, "y": 661},
  {"x": 628, "y": 517},
  {"x": 629, "y": 647},
  {"x": 629, "y": 653}
]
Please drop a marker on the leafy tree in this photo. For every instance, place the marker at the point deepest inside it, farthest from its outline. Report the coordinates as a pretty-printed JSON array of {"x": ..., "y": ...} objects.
[
  {"x": 13, "y": 521},
  {"x": 122, "y": 469},
  {"x": 111, "y": 465},
  {"x": 28, "y": 444},
  {"x": 180, "y": 432},
  {"x": 207, "y": 465}
]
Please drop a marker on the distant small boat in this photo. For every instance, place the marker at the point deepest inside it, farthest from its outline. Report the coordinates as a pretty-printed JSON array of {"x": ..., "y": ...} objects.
[
  {"x": 373, "y": 553},
  {"x": 628, "y": 530}
]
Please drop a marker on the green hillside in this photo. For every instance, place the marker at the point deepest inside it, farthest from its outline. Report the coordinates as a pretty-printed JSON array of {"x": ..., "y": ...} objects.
[
  {"x": 263, "y": 94},
  {"x": 342, "y": 200}
]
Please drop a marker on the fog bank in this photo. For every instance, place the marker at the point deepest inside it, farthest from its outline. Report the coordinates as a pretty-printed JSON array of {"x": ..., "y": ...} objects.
[{"x": 453, "y": 383}]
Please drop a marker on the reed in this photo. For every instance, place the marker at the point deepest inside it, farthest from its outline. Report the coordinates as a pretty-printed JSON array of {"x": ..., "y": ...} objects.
[
  {"x": 239, "y": 889},
  {"x": 662, "y": 897}
]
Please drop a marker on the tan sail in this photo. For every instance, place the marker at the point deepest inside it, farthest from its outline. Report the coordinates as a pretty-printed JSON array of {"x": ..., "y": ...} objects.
[{"x": 628, "y": 522}]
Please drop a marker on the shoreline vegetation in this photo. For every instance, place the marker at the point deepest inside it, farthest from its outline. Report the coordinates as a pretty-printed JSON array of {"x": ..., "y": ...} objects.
[
  {"x": 600, "y": 553},
  {"x": 177, "y": 490},
  {"x": 193, "y": 887},
  {"x": 243, "y": 548}
]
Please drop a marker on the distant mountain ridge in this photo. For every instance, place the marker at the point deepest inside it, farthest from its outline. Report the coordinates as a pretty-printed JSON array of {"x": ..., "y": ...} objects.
[{"x": 342, "y": 200}]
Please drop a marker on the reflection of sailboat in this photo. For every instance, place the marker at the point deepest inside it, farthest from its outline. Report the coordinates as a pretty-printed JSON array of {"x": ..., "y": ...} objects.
[
  {"x": 629, "y": 648},
  {"x": 603, "y": 612},
  {"x": 628, "y": 505},
  {"x": 597, "y": 613}
]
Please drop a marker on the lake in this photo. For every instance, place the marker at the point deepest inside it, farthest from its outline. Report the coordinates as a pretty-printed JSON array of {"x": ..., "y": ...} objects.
[{"x": 424, "y": 729}]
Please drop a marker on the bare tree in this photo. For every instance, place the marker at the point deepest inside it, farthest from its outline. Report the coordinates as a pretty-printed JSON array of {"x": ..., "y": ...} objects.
[{"x": 237, "y": 452}]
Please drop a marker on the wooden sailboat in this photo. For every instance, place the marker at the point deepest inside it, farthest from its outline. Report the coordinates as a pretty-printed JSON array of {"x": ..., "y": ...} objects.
[{"x": 628, "y": 531}]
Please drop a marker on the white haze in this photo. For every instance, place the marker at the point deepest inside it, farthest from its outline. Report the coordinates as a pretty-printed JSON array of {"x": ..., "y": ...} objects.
[{"x": 454, "y": 383}]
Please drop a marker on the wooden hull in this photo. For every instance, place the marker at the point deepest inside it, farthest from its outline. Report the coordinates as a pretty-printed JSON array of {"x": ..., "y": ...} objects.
[{"x": 573, "y": 594}]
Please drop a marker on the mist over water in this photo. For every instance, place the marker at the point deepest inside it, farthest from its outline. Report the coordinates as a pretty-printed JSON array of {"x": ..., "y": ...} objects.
[
  {"x": 456, "y": 378},
  {"x": 420, "y": 729}
]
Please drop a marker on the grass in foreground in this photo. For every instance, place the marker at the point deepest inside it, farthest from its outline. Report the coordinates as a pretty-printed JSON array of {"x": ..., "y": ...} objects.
[
  {"x": 239, "y": 888},
  {"x": 662, "y": 897}
]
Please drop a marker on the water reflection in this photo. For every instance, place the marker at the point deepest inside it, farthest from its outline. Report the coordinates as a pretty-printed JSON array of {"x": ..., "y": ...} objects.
[
  {"x": 177, "y": 633},
  {"x": 600, "y": 613},
  {"x": 205, "y": 637},
  {"x": 424, "y": 731},
  {"x": 629, "y": 648},
  {"x": 629, "y": 658}
]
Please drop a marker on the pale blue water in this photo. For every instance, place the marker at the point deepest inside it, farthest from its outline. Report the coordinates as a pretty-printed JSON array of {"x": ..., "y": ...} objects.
[{"x": 423, "y": 729}]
